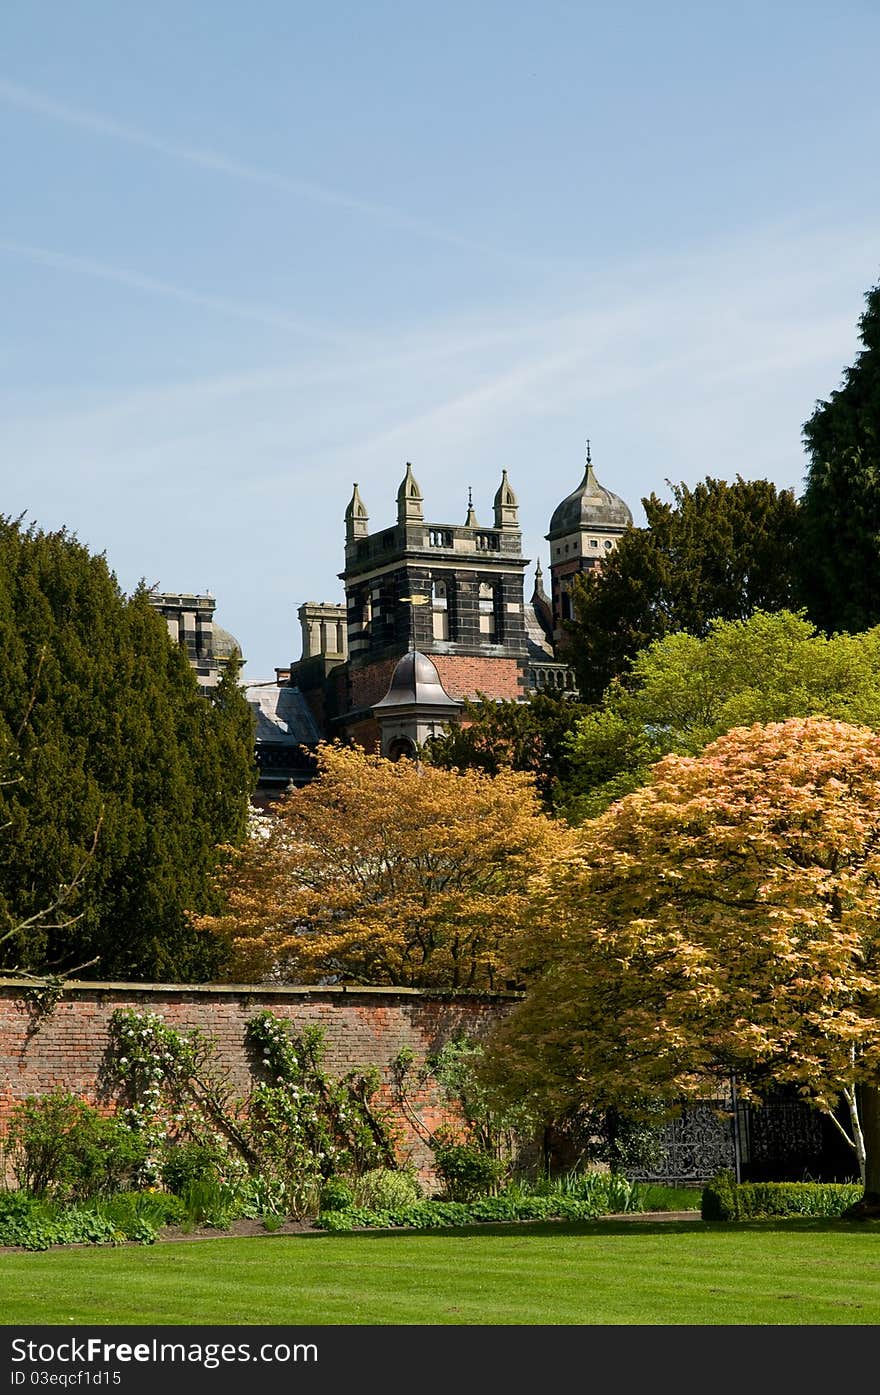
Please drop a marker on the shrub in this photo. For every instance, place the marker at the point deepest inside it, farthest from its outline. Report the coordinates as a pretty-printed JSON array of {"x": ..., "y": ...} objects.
[
  {"x": 59, "y": 1146},
  {"x": 380, "y": 1189},
  {"x": 725, "y": 1200},
  {"x": 135, "y": 1213},
  {"x": 15, "y": 1210},
  {"x": 386, "y": 1187},
  {"x": 186, "y": 1162},
  {"x": 428, "y": 1215},
  {"x": 506, "y": 1206},
  {"x": 336, "y": 1195},
  {"x": 35, "y": 1224},
  {"x": 466, "y": 1171},
  {"x": 719, "y": 1199}
]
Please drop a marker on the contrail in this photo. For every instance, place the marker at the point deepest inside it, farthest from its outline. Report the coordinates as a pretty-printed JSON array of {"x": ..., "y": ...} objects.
[
  {"x": 123, "y": 277},
  {"x": 41, "y": 105}
]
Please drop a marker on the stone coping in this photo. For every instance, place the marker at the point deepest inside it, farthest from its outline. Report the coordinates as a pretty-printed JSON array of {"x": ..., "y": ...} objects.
[{"x": 260, "y": 989}]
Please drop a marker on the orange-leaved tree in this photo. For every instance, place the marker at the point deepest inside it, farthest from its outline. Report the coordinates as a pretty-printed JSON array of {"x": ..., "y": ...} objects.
[
  {"x": 387, "y": 873},
  {"x": 726, "y": 916}
]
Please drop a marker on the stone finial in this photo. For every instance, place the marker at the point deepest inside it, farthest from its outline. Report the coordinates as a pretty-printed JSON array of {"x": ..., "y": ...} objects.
[
  {"x": 506, "y": 505},
  {"x": 409, "y": 499},
  {"x": 356, "y": 518},
  {"x": 471, "y": 520}
]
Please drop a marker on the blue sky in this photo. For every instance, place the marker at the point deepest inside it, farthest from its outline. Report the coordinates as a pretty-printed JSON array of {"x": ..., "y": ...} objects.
[{"x": 251, "y": 254}]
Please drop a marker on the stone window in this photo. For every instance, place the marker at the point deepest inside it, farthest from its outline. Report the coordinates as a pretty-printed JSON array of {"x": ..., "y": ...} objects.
[
  {"x": 439, "y": 610},
  {"x": 487, "y": 609}
]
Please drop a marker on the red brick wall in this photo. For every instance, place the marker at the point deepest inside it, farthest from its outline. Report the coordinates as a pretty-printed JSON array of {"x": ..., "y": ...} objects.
[
  {"x": 462, "y": 675},
  {"x": 363, "y": 1027},
  {"x": 465, "y": 676},
  {"x": 370, "y": 684}
]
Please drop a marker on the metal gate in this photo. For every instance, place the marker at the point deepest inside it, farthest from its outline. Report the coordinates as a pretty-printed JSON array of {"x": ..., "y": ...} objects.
[
  {"x": 697, "y": 1144},
  {"x": 781, "y": 1139}
]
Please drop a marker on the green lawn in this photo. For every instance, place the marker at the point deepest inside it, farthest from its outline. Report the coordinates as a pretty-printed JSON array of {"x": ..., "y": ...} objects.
[{"x": 601, "y": 1272}]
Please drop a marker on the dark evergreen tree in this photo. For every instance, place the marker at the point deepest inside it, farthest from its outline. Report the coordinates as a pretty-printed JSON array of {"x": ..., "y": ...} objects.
[
  {"x": 839, "y": 554},
  {"x": 105, "y": 732},
  {"x": 718, "y": 551}
]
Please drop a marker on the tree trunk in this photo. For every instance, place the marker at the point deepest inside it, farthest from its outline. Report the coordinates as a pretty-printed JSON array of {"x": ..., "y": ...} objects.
[{"x": 869, "y": 1108}]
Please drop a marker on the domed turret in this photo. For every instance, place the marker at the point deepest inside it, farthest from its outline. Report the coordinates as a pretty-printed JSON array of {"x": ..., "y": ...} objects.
[
  {"x": 415, "y": 708},
  {"x": 226, "y": 646},
  {"x": 590, "y": 506},
  {"x": 415, "y": 681},
  {"x": 584, "y": 529}
]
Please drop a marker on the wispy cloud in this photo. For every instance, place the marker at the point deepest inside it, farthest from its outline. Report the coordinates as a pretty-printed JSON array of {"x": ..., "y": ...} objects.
[
  {"x": 686, "y": 367},
  {"x": 41, "y": 104},
  {"x": 150, "y": 285}
]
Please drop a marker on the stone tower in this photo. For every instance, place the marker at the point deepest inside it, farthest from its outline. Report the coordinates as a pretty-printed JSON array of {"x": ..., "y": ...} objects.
[
  {"x": 452, "y": 591},
  {"x": 583, "y": 530}
]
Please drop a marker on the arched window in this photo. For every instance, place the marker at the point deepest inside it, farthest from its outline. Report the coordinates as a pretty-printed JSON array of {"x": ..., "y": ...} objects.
[{"x": 402, "y": 748}]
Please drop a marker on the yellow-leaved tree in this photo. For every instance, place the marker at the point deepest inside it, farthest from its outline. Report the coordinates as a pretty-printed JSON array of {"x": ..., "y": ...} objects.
[
  {"x": 724, "y": 916},
  {"x": 388, "y": 873}
]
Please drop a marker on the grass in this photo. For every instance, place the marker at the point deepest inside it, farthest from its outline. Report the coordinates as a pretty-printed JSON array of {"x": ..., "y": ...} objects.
[
  {"x": 659, "y": 1197},
  {"x": 596, "y": 1273}
]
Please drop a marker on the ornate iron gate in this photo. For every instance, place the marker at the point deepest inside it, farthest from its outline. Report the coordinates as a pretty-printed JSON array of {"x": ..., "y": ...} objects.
[
  {"x": 782, "y": 1139},
  {"x": 695, "y": 1146}
]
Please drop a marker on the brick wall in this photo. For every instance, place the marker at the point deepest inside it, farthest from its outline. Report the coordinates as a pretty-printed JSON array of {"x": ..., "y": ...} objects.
[
  {"x": 465, "y": 675},
  {"x": 362, "y": 1027},
  {"x": 368, "y": 685}
]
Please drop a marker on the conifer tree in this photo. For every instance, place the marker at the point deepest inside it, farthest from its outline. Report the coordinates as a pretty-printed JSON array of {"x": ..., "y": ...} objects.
[
  {"x": 839, "y": 552},
  {"x": 118, "y": 775}
]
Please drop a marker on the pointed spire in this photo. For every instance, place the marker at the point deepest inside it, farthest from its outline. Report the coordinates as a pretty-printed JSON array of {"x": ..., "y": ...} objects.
[
  {"x": 539, "y": 593},
  {"x": 356, "y": 517},
  {"x": 506, "y": 505},
  {"x": 541, "y": 604},
  {"x": 409, "y": 499},
  {"x": 471, "y": 520},
  {"x": 590, "y": 484}
]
